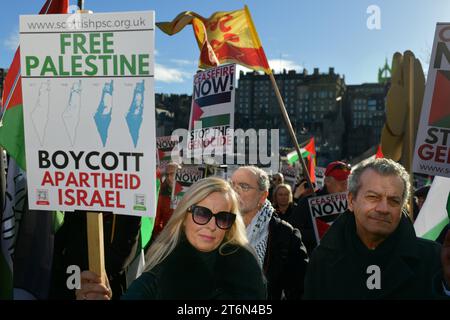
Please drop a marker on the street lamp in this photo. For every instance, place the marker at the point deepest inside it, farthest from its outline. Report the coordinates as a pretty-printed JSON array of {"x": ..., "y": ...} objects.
[
  {"x": 339, "y": 99},
  {"x": 341, "y": 115}
]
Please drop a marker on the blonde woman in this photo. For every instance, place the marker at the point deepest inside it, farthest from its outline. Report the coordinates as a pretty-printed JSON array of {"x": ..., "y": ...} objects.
[
  {"x": 202, "y": 253},
  {"x": 283, "y": 202}
]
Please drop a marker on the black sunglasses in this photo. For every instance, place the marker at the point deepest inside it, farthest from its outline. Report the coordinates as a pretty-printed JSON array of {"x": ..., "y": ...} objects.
[{"x": 202, "y": 215}]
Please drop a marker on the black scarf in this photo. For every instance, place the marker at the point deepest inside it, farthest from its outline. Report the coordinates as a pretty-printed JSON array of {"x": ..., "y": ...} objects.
[{"x": 190, "y": 274}]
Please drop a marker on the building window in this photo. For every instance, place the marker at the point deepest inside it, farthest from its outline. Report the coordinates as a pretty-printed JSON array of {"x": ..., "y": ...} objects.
[{"x": 372, "y": 105}]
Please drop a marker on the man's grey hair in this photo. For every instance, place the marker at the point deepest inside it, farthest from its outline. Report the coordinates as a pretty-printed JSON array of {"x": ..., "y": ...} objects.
[
  {"x": 261, "y": 176},
  {"x": 384, "y": 167}
]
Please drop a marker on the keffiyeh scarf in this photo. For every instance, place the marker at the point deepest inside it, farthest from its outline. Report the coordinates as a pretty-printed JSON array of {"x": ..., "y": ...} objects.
[{"x": 258, "y": 230}]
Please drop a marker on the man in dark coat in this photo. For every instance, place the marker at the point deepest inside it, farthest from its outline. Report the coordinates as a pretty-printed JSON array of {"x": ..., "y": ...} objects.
[
  {"x": 371, "y": 251},
  {"x": 278, "y": 246}
]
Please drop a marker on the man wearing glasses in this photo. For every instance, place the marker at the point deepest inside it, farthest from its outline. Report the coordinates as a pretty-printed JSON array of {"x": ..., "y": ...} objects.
[
  {"x": 278, "y": 245},
  {"x": 336, "y": 175}
]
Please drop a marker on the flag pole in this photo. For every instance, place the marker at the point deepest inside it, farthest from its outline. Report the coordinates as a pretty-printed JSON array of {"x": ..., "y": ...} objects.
[
  {"x": 96, "y": 251},
  {"x": 280, "y": 99},
  {"x": 290, "y": 129},
  {"x": 411, "y": 132}
]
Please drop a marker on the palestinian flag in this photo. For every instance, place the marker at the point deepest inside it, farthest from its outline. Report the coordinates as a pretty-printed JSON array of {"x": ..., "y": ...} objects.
[
  {"x": 217, "y": 120},
  {"x": 440, "y": 111},
  {"x": 308, "y": 153},
  {"x": 11, "y": 123},
  {"x": 12, "y": 140},
  {"x": 308, "y": 150},
  {"x": 323, "y": 226},
  {"x": 180, "y": 189},
  {"x": 292, "y": 157},
  {"x": 379, "y": 153},
  {"x": 435, "y": 212},
  {"x": 164, "y": 156}
]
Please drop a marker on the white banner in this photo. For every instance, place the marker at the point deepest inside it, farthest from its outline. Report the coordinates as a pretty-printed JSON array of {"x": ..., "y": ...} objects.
[
  {"x": 432, "y": 152},
  {"x": 89, "y": 114}
]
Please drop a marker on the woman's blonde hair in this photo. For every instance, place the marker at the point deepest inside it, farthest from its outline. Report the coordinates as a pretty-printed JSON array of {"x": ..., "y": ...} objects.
[
  {"x": 170, "y": 236},
  {"x": 277, "y": 188}
]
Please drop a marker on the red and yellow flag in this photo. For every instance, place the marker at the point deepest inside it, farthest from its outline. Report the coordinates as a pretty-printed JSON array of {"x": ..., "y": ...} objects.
[{"x": 225, "y": 37}]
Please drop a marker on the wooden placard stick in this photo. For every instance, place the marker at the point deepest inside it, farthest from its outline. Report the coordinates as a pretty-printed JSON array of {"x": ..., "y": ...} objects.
[{"x": 96, "y": 250}]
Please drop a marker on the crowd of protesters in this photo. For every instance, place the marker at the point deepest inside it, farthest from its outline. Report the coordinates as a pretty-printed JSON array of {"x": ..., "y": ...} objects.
[
  {"x": 254, "y": 237},
  {"x": 260, "y": 249}
]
